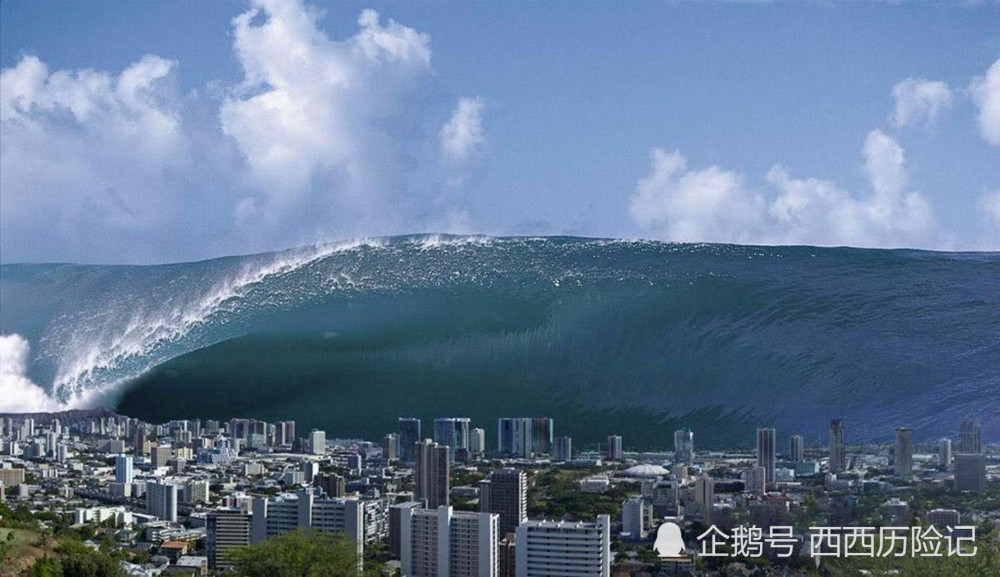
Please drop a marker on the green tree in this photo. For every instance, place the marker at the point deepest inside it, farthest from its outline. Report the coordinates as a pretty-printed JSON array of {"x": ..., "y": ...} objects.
[
  {"x": 46, "y": 567},
  {"x": 78, "y": 560},
  {"x": 303, "y": 553}
]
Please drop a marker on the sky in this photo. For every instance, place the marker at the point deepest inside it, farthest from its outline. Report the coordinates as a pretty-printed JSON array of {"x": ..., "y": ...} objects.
[{"x": 148, "y": 132}]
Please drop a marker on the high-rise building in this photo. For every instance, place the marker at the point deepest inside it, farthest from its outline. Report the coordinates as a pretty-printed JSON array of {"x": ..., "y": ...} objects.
[
  {"x": 704, "y": 496},
  {"x": 970, "y": 437},
  {"x": 279, "y": 515},
  {"x": 766, "y": 453},
  {"x": 838, "y": 447},
  {"x": 331, "y": 484},
  {"x": 944, "y": 454},
  {"x": 634, "y": 516},
  {"x": 563, "y": 449},
  {"x": 902, "y": 462},
  {"x": 395, "y": 525},
  {"x": 614, "y": 452},
  {"x": 505, "y": 493},
  {"x": 564, "y": 548},
  {"x": 542, "y": 429},
  {"x": 684, "y": 446},
  {"x": 227, "y": 529},
  {"x": 452, "y": 432},
  {"x": 160, "y": 454},
  {"x": 795, "y": 449},
  {"x": 514, "y": 436},
  {"x": 390, "y": 447},
  {"x": 409, "y": 436},
  {"x": 970, "y": 472},
  {"x": 477, "y": 441},
  {"x": 317, "y": 442},
  {"x": 431, "y": 475},
  {"x": 123, "y": 469},
  {"x": 446, "y": 543},
  {"x": 161, "y": 500},
  {"x": 755, "y": 480}
]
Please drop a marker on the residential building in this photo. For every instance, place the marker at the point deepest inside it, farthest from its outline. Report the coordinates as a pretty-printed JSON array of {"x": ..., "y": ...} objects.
[
  {"x": 446, "y": 543},
  {"x": 409, "y": 436},
  {"x": 838, "y": 447},
  {"x": 564, "y": 548},
  {"x": 614, "y": 450},
  {"x": 432, "y": 474},
  {"x": 227, "y": 529},
  {"x": 505, "y": 493},
  {"x": 902, "y": 462},
  {"x": 766, "y": 453}
]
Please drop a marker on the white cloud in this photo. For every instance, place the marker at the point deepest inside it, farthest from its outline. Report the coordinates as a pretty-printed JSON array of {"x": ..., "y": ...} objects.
[
  {"x": 462, "y": 137},
  {"x": 328, "y": 128},
  {"x": 985, "y": 92},
  {"x": 716, "y": 205},
  {"x": 919, "y": 101},
  {"x": 18, "y": 394}
]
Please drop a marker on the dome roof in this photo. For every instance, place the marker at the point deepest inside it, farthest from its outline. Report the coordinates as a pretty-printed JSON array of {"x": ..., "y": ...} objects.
[{"x": 646, "y": 471}]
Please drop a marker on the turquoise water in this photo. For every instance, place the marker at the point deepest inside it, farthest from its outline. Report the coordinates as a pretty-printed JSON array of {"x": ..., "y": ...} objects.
[{"x": 636, "y": 338}]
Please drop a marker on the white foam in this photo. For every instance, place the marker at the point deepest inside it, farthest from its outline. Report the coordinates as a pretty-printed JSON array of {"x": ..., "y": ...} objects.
[{"x": 18, "y": 394}]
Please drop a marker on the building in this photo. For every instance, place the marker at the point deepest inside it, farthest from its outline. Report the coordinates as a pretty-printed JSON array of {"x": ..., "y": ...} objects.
[
  {"x": 332, "y": 484},
  {"x": 279, "y": 515},
  {"x": 395, "y": 527},
  {"x": 704, "y": 496},
  {"x": 11, "y": 477},
  {"x": 634, "y": 515},
  {"x": 838, "y": 446},
  {"x": 477, "y": 441},
  {"x": 514, "y": 437},
  {"x": 795, "y": 449},
  {"x": 409, "y": 436},
  {"x": 390, "y": 447},
  {"x": 161, "y": 500},
  {"x": 452, "y": 432},
  {"x": 943, "y": 518},
  {"x": 684, "y": 446},
  {"x": 970, "y": 437},
  {"x": 227, "y": 529},
  {"x": 505, "y": 493},
  {"x": 431, "y": 475},
  {"x": 139, "y": 439},
  {"x": 123, "y": 469},
  {"x": 542, "y": 429},
  {"x": 448, "y": 543},
  {"x": 944, "y": 454},
  {"x": 564, "y": 548},
  {"x": 563, "y": 449},
  {"x": 766, "y": 453},
  {"x": 159, "y": 455},
  {"x": 614, "y": 452},
  {"x": 902, "y": 461},
  {"x": 970, "y": 472},
  {"x": 755, "y": 480},
  {"x": 196, "y": 491},
  {"x": 317, "y": 442}
]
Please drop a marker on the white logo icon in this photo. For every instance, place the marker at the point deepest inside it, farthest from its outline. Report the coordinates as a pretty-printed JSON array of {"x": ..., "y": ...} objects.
[{"x": 669, "y": 542}]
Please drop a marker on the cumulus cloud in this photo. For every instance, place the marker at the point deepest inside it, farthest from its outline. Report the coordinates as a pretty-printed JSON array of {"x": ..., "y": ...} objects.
[
  {"x": 18, "y": 394},
  {"x": 716, "y": 205},
  {"x": 985, "y": 92},
  {"x": 462, "y": 137},
  {"x": 328, "y": 128},
  {"x": 919, "y": 101}
]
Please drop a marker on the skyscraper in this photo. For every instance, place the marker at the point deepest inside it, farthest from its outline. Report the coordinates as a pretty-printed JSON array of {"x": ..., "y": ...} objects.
[
  {"x": 514, "y": 436},
  {"x": 452, "y": 432},
  {"x": 795, "y": 448},
  {"x": 614, "y": 452},
  {"x": 390, "y": 447},
  {"x": 161, "y": 501},
  {"x": 970, "y": 472},
  {"x": 838, "y": 447},
  {"x": 542, "y": 429},
  {"x": 563, "y": 449},
  {"x": 505, "y": 493},
  {"x": 432, "y": 481},
  {"x": 317, "y": 442},
  {"x": 445, "y": 542},
  {"x": 766, "y": 453},
  {"x": 902, "y": 463},
  {"x": 564, "y": 548},
  {"x": 970, "y": 437},
  {"x": 684, "y": 446},
  {"x": 477, "y": 441},
  {"x": 944, "y": 454},
  {"x": 227, "y": 529},
  {"x": 409, "y": 436},
  {"x": 139, "y": 439},
  {"x": 123, "y": 469}
]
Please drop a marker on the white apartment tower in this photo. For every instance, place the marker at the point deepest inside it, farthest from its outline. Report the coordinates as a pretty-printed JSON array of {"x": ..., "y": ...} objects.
[
  {"x": 563, "y": 548},
  {"x": 448, "y": 543}
]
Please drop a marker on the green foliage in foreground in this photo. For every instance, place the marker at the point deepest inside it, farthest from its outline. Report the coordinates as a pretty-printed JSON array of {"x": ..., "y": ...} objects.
[
  {"x": 986, "y": 561},
  {"x": 77, "y": 560},
  {"x": 302, "y": 553}
]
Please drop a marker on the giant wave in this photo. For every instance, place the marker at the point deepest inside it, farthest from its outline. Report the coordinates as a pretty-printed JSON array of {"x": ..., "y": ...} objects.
[{"x": 606, "y": 336}]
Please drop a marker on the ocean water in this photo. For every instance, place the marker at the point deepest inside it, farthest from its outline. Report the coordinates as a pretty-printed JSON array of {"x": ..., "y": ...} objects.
[{"x": 629, "y": 337}]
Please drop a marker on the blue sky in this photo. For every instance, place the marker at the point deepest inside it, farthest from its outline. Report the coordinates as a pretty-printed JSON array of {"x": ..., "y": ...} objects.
[{"x": 195, "y": 135}]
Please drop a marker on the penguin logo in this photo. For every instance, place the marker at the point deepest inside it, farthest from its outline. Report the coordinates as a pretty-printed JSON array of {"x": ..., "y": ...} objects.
[{"x": 669, "y": 542}]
